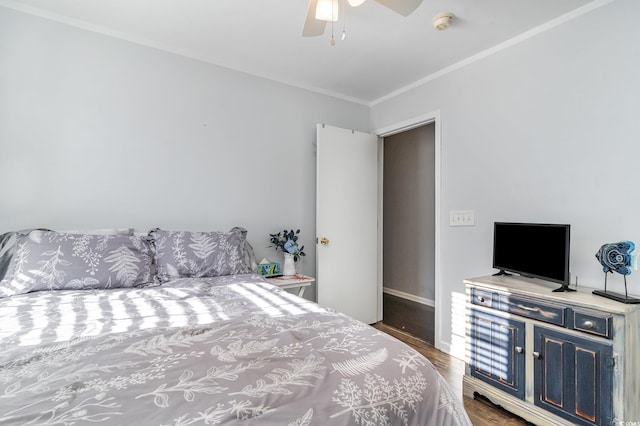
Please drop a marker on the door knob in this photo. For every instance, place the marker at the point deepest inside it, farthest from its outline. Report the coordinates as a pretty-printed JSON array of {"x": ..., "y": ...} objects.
[{"x": 324, "y": 241}]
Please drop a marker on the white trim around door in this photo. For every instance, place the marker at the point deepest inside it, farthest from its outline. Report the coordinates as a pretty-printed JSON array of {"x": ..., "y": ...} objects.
[{"x": 412, "y": 123}]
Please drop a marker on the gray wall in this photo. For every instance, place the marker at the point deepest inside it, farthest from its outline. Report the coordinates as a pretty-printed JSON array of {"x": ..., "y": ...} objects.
[
  {"x": 543, "y": 131},
  {"x": 97, "y": 132},
  {"x": 408, "y": 212}
]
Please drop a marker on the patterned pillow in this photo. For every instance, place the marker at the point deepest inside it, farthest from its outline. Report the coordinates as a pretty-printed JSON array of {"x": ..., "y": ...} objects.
[
  {"x": 8, "y": 242},
  {"x": 182, "y": 254},
  {"x": 47, "y": 260}
]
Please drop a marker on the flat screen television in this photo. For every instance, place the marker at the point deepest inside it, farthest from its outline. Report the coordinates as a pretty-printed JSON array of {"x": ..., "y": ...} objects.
[{"x": 536, "y": 250}]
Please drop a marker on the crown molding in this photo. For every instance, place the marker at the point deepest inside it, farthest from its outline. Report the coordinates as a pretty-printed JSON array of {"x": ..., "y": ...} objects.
[
  {"x": 87, "y": 26},
  {"x": 497, "y": 48}
]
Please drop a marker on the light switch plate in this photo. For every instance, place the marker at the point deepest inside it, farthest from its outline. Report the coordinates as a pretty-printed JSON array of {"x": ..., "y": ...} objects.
[{"x": 461, "y": 218}]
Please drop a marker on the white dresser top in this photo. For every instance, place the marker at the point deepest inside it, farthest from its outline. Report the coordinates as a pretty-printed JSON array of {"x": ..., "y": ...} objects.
[{"x": 534, "y": 287}]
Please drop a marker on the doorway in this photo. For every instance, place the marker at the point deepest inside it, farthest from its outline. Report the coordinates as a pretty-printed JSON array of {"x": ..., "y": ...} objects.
[{"x": 409, "y": 231}]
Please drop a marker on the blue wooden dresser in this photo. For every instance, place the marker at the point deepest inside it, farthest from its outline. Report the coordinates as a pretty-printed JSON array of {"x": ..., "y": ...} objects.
[{"x": 552, "y": 358}]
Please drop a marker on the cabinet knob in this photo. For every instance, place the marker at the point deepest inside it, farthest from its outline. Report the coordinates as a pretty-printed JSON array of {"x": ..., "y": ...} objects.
[
  {"x": 537, "y": 355},
  {"x": 588, "y": 324},
  {"x": 519, "y": 349},
  {"x": 481, "y": 299},
  {"x": 324, "y": 241}
]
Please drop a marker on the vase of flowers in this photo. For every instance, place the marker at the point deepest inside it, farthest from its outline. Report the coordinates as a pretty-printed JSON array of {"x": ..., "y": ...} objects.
[{"x": 287, "y": 242}]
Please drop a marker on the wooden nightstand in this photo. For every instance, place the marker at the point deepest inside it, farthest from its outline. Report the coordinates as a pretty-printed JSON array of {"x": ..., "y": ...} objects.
[{"x": 292, "y": 281}]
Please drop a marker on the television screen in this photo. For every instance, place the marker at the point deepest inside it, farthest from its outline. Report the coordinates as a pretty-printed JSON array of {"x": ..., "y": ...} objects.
[{"x": 532, "y": 250}]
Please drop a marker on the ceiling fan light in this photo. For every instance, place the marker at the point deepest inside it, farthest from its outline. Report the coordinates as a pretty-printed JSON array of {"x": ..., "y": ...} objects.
[
  {"x": 356, "y": 3},
  {"x": 327, "y": 10}
]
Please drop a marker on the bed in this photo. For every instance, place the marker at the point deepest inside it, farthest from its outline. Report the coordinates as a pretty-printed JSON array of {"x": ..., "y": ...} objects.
[{"x": 93, "y": 340}]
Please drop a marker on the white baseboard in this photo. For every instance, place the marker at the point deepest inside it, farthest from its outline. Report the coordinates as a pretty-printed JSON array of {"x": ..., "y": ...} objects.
[{"x": 408, "y": 296}]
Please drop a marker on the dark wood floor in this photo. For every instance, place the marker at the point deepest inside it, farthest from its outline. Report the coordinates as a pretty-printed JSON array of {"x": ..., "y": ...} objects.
[
  {"x": 481, "y": 411},
  {"x": 411, "y": 317}
]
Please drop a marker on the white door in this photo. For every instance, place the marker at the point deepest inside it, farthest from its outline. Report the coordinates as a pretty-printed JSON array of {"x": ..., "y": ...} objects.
[{"x": 347, "y": 222}]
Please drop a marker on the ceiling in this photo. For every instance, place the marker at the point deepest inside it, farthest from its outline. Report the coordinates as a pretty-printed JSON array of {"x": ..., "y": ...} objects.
[{"x": 383, "y": 52}]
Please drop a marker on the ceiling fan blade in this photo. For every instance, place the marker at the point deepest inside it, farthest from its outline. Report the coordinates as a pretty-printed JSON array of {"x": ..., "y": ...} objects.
[
  {"x": 403, "y": 7},
  {"x": 312, "y": 26}
]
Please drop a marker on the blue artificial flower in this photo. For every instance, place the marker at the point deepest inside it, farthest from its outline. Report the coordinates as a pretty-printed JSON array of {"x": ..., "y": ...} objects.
[
  {"x": 287, "y": 241},
  {"x": 291, "y": 246}
]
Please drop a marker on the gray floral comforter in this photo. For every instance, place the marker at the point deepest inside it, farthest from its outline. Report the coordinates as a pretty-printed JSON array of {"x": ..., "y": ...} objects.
[{"x": 227, "y": 350}]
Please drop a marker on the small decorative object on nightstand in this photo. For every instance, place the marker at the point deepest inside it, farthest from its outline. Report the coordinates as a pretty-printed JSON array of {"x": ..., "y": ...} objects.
[
  {"x": 289, "y": 268},
  {"x": 267, "y": 268},
  {"x": 287, "y": 242},
  {"x": 295, "y": 281}
]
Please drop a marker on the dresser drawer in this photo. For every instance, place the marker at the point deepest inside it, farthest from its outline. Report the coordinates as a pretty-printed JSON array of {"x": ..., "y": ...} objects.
[
  {"x": 481, "y": 297},
  {"x": 533, "y": 308},
  {"x": 599, "y": 324}
]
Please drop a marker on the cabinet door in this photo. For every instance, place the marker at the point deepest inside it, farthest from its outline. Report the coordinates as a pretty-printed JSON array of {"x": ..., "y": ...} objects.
[
  {"x": 573, "y": 377},
  {"x": 497, "y": 355}
]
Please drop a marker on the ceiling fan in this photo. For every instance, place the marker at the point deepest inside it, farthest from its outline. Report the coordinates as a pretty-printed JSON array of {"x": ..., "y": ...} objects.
[{"x": 322, "y": 11}]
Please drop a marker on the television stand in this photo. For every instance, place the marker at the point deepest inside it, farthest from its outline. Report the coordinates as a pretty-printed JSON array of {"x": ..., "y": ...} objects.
[
  {"x": 502, "y": 272},
  {"x": 563, "y": 288},
  {"x": 527, "y": 349}
]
